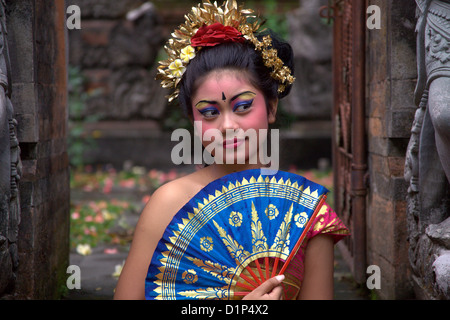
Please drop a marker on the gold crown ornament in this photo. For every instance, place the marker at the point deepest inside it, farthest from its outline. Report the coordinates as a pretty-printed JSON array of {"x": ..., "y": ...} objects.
[{"x": 210, "y": 25}]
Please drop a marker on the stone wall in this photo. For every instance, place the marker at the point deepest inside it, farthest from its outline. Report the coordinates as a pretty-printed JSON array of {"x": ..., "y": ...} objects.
[
  {"x": 391, "y": 78},
  {"x": 36, "y": 37},
  {"x": 10, "y": 169},
  {"x": 115, "y": 50}
]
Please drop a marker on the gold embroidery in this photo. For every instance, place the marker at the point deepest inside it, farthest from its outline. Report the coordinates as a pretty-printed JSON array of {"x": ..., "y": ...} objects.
[
  {"x": 235, "y": 219},
  {"x": 208, "y": 293},
  {"x": 282, "y": 239},
  {"x": 234, "y": 248},
  {"x": 206, "y": 244},
  {"x": 259, "y": 241},
  {"x": 215, "y": 269},
  {"x": 189, "y": 276},
  {"x": 272, "y": 212},
  {"x": 301, "y": 219},
  {"x": 334, "y": 226},
  {"x": 319, "y": 224}
]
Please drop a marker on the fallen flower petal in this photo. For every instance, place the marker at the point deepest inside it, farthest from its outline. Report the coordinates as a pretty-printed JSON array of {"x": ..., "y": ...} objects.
[
  {"x": 110, "y": 251},
  {"x": 84, "y": 249},
  {"x": 75, "y": 215},
  {"x": 118, "y": 270}
]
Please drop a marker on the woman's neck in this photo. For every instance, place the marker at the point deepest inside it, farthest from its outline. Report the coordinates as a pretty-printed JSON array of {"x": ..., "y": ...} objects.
[{"x": 219, "y": 170}]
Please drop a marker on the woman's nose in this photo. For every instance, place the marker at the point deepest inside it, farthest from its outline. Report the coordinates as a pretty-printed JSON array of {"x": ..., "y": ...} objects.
[{"x": 229, "y": 122}]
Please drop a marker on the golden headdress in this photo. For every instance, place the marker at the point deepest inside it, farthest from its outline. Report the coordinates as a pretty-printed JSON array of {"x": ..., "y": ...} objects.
[{"x": 209, "y": 25}]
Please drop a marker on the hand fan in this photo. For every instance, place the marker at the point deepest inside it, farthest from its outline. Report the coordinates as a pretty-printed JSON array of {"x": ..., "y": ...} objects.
[{"x": 234, "y": 234}]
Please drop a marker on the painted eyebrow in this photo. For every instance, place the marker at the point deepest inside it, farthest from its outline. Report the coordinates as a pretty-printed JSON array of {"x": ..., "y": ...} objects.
[
  {"x": 231, "y": 100},
  {"x": 205, "y": 101},
  {"x": 240, "y": 94}
]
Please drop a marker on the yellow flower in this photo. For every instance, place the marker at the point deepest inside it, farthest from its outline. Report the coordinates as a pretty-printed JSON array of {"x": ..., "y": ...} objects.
[
  {"x": 235, "y": 219},
  {"x": 176, "y": 68},
  {"x": 107, "y": 215},
  {"x": 189, "y": 276},
  {"x": 206, "y": 244},
  {"x": 84, "y": 249},
  {"x": 187, "y": 53},
  {"x": 272, "y": 212},
  {"x": 301, "y": 219}
]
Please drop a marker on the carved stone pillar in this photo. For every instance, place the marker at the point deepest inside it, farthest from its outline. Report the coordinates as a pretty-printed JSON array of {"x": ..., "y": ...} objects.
[
  {"x": 39, "y": 246},
  {"x": 10, "y": 167},
  {"x": 427, "y": 167}
]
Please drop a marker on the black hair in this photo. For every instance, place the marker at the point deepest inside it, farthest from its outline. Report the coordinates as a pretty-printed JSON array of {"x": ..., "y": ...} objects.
[{"x": 236, "y": 56}]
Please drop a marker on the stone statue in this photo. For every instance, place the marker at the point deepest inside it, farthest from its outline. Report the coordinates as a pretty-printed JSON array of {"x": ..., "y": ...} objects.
[
  {"x": 427, "y": 167},
  {"x": 10, "y": 168}
]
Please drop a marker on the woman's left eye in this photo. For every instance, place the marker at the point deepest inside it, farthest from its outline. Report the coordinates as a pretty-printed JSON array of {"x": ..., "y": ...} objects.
[{"x": 243, "y": 106}]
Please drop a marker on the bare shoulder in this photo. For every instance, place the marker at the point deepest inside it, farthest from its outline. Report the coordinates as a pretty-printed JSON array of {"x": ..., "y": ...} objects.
[
  {"x": 165, "y": 202},
  {"x": 168, "y": 199}
]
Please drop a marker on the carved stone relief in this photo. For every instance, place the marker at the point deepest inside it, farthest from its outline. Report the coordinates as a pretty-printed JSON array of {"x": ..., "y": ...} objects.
[
  {"x": 10, "y": 169},
  {"x": 427, "y": 167}
]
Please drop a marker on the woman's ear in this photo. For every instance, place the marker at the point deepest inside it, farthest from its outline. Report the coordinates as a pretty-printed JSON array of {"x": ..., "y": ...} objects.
[{"x": 273, "y": 105}]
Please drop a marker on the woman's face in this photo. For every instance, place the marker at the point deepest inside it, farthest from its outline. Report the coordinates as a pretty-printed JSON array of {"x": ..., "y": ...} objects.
[{"x": 231, "y": 115}]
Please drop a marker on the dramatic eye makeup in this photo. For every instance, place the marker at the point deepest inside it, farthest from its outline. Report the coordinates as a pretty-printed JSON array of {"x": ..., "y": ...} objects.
[
  {"x": 241, "y": 102},
  {"x": 207, "y": 110}
]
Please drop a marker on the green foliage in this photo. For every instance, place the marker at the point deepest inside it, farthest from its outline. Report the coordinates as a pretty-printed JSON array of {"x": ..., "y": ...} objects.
[
  {"x": 78, "y": 141},
  {"x": 175, "y": 119},
  {"x": 284, "y": 119},
  {"x": 274, "y": 20},
  {"x": 373, "y": 295}
]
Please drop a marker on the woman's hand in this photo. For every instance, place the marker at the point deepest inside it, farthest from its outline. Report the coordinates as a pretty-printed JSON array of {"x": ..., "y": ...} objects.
[{"x": 270, "y": 289}]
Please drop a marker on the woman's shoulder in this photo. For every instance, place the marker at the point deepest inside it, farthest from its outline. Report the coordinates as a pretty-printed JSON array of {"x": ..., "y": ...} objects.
[
  {"x": 182, "y": 189},
  {"x": 169, "y": 198}
]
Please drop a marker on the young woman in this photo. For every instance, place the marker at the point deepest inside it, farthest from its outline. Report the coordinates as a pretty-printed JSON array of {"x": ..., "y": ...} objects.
[{"x": 228, "y": 78}]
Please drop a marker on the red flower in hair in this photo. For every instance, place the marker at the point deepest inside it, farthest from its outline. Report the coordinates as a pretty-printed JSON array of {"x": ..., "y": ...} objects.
[{"x": 217, "y": 33}]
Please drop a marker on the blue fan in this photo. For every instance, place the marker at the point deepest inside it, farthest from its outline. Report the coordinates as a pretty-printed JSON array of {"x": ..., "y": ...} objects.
[{"x": 235, "y": 233}]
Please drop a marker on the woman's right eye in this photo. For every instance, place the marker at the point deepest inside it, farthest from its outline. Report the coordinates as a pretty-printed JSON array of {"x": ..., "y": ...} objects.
[{"x": 209, "y": 112}]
